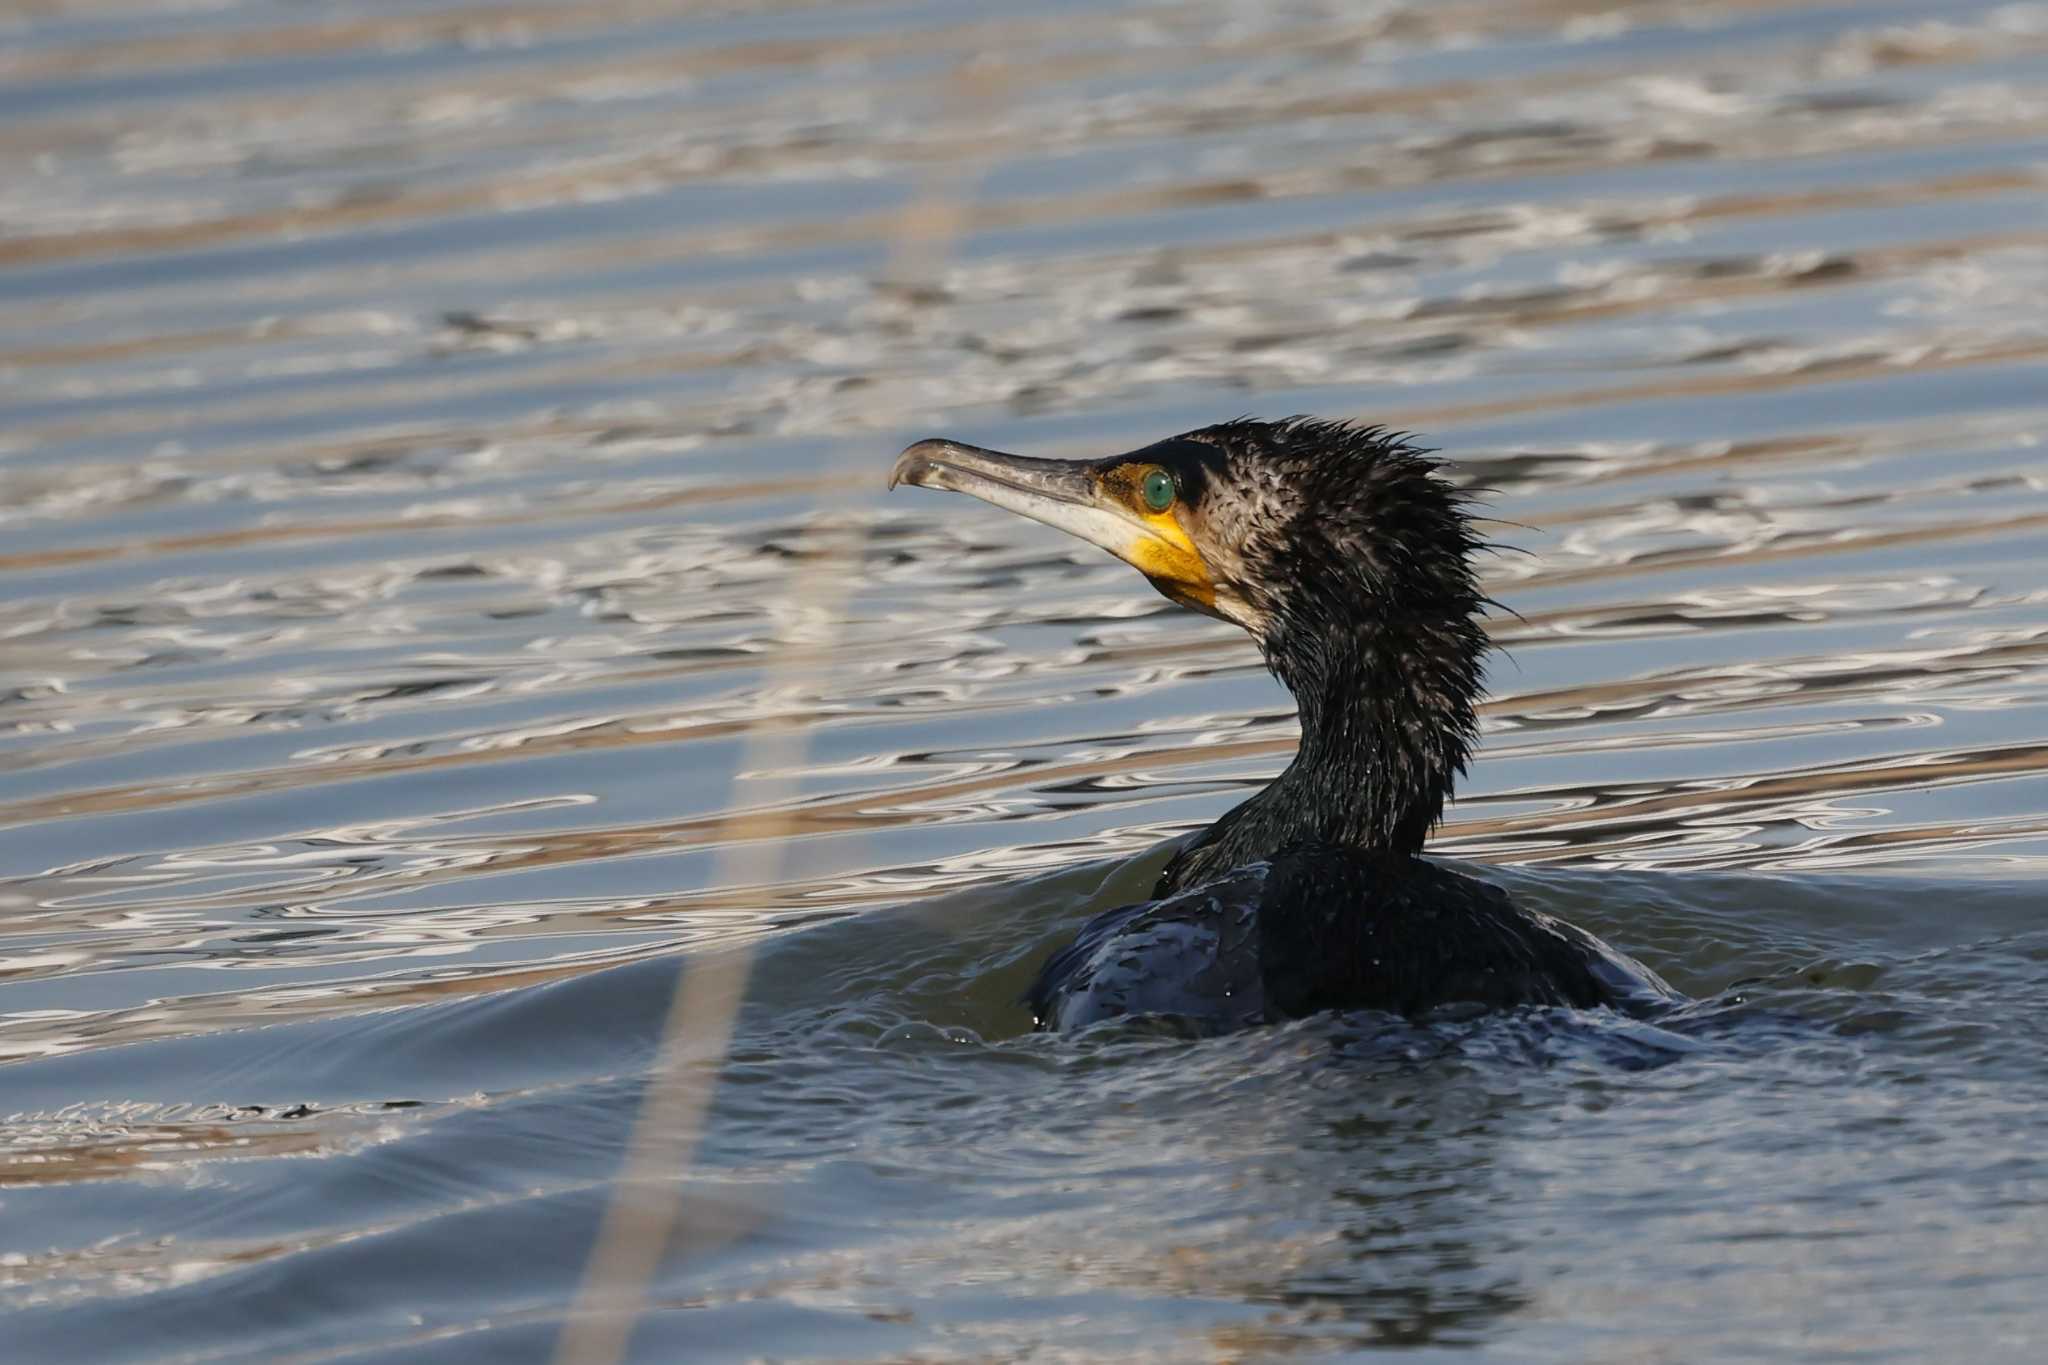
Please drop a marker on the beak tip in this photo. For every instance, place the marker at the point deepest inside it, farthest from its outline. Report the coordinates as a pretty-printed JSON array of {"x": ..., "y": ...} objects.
[{"x": 913, "y": 464}]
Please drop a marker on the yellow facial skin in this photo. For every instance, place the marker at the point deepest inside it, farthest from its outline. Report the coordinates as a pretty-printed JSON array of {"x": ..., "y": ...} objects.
[{"x": 1162, "y": 550}]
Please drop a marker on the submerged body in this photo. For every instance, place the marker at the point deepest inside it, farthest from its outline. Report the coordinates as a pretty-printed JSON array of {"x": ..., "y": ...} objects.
[
  {"x": 1317, "y": 929},
  {"x": 1347, "y": 556}
]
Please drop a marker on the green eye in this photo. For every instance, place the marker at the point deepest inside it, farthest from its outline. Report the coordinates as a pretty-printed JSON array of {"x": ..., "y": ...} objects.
[{"x": 1158, "y": 490}]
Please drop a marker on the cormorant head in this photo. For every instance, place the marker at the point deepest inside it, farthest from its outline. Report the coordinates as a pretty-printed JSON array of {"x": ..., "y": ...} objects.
[
  {"x": 1301, "y": 531},
  {"x": 1341, "y": 548}
]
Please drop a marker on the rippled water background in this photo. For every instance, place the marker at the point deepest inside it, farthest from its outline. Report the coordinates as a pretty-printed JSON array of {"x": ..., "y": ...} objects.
[{"x": 445, "y": 583}]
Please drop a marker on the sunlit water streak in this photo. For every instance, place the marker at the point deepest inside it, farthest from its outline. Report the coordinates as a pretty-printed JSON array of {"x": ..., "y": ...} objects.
[{"x": 416, "y": 418}]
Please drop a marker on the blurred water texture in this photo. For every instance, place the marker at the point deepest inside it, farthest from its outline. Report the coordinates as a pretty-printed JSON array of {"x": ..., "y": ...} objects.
[{"x": 418, "y": 413}]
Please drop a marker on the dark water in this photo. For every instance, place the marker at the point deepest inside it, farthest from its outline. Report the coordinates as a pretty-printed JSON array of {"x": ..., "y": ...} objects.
[{"x": 445, "y": 585}]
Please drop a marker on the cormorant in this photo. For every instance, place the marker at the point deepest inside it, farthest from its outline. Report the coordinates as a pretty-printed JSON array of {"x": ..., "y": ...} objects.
[{"x": 1347, "y": 555}]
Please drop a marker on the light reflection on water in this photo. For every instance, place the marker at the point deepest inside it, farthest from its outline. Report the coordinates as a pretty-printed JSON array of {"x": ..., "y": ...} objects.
[{"x": 416, "y": 420}]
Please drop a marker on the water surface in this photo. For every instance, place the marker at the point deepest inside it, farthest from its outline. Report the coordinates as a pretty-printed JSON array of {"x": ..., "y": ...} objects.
[{"x": 445, "y": 584}]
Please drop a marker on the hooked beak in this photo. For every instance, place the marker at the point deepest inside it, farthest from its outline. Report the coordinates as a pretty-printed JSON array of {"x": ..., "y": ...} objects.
[
  {"x": 1071, "y": 496},
  {"x": 1061, "y": 493}
]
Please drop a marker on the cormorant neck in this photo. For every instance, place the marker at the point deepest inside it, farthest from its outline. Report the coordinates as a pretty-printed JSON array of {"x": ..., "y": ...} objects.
[
  {"x": 1387, "y": 722},
  {"x": 1388, "y": 718}
]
